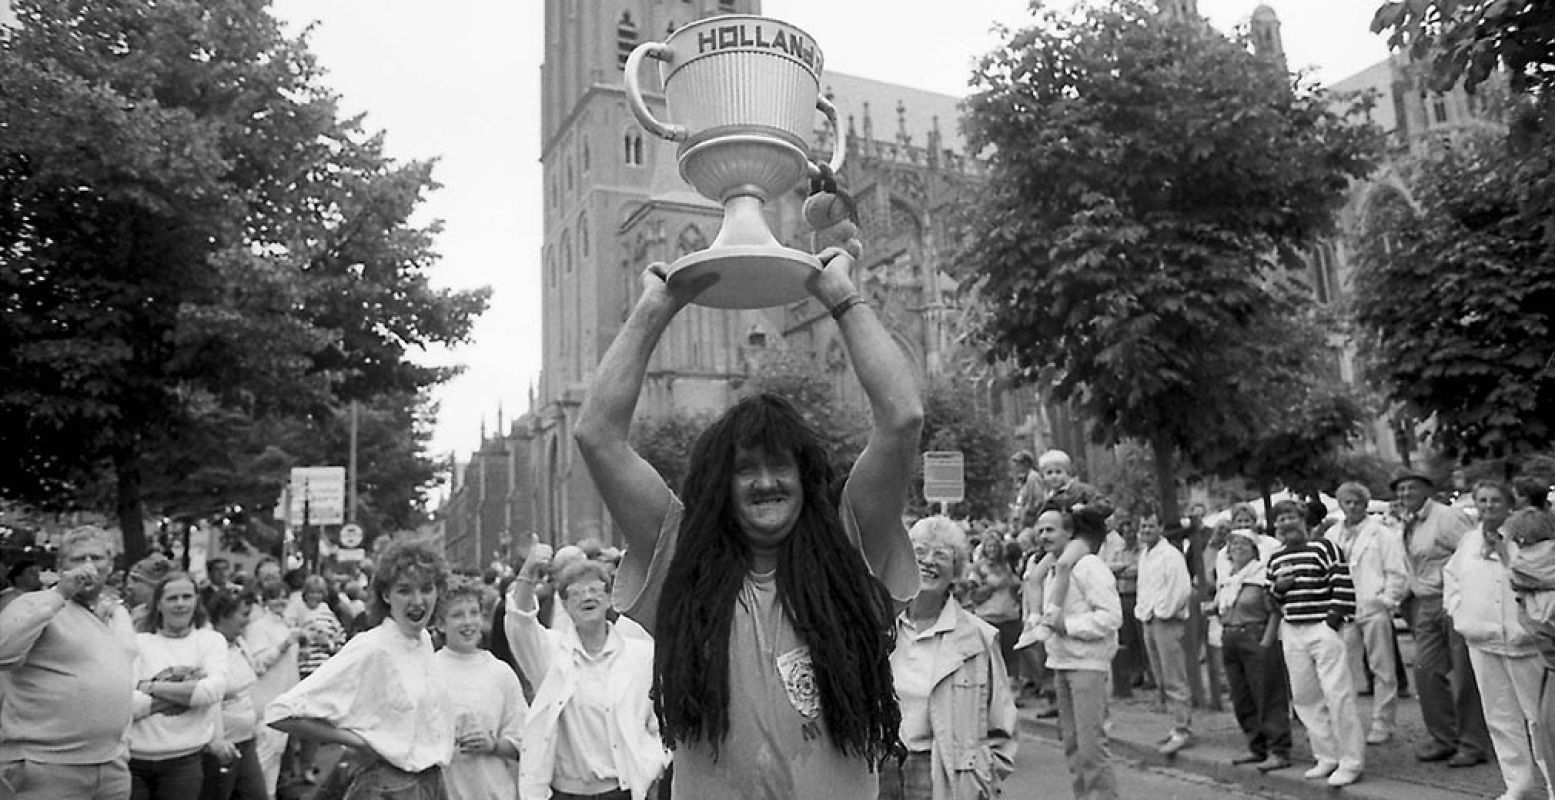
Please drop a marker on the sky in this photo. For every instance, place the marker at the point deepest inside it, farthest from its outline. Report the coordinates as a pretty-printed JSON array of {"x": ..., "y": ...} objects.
[{"x": 459, "y": 80}]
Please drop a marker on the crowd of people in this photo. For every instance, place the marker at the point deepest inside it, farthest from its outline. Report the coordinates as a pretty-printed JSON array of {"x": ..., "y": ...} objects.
[{"x": 775, "y": 629}]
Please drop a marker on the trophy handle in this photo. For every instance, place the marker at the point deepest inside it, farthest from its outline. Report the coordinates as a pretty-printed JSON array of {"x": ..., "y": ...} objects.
[
  {"x": 634, "y": 92},
  {"x": 841, "y": 148}
]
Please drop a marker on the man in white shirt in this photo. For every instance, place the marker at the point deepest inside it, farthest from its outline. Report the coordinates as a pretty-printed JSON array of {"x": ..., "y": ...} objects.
[
  {"x": 1165, "y": 590},
  {"x": 1381, "y": 575}
]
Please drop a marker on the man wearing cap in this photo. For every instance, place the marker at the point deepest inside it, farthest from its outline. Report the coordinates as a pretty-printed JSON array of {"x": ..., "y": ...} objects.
[{"x": 1453, "y": 716}]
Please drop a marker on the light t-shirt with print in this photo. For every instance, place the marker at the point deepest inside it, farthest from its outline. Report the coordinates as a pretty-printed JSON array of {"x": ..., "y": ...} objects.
[{"x": 777, "y": 744}]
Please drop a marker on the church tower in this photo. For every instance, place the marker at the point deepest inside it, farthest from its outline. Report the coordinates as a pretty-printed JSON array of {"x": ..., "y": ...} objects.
[
  {"x": 1265, "y": 28},
  {"x": 602, "y": 175},
  {"x": 1179, "y": 10}
]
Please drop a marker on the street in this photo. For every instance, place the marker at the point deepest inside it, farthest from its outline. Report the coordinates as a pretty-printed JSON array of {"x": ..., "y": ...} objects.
[{"x": 1040, "y": 772}]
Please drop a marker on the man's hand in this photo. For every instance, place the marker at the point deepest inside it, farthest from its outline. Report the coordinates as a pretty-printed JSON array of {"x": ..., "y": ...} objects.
[
  {"x": 834, "y": 283},
  {"x": 73, "y": 581},
  {"x": 657, "y": 288},
  {"x": 1335, "y": 620}
]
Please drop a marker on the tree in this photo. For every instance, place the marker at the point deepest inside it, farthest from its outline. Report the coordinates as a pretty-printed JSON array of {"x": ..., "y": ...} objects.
[
  {"x": 666, "y": 443},
  {"x": 194, "y": 241},
  {"x": 1311, "y": 416},
  {"x": 798, "y": 378},
  {"x": 954, "y": 421},
  {"x": 1150, "y": 180},
  {"x": 1472, "y": 39},
  {"x": 1456, "y": 288}
]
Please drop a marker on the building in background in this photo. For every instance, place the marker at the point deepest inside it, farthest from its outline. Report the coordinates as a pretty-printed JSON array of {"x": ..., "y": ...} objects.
[{"x": 614, "y": 202}]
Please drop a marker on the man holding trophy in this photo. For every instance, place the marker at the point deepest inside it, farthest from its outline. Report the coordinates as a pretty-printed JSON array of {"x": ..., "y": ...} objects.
[{"x": 770, "y": 585}]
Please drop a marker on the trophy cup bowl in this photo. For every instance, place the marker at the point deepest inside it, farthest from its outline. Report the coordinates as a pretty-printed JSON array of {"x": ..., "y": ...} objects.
[{"x": 744, "y": 89}]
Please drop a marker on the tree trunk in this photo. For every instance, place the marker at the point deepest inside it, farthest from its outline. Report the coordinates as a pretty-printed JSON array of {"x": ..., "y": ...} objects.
[
  {"x": 126, "y": 467},
  {"x": 1166, "y": 479},
  {"x": 1268, "y": 508}
]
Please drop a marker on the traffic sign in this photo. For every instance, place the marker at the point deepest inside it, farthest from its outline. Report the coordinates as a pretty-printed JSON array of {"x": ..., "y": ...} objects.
[
  {"x": 351, "y": 535},
  {"x": 944, "y": 476},
  {"x": 321, "y": 491}
]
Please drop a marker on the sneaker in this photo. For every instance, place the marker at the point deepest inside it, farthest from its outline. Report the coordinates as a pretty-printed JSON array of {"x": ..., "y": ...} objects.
[
  {"x": 1273, "y": 763},
  {"x": 1177, "y": 741},
  {"x": 1378, "y": 736},
  {"x": 1344, "y": 776},
  {"x": 1322, "y": 770},
  {"x": 1247, "y": 758}
]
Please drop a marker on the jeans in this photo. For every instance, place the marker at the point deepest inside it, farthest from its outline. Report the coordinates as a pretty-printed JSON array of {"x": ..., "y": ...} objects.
[
  {"x": 910, "y": 779},
  {"x": 166, "y": 779},
  {"x": 1453, "y": 716},
  {"x": 1323, "y": 694},
  {"x": 1082, "y": 708},
  {"x": 1163, "y": 643},
  {"x": 35, "y": 780},
  {"x": 1130, "y": 660},
  {"x": 243, "y": 779},
  {"x": 1259, "y": 693}
]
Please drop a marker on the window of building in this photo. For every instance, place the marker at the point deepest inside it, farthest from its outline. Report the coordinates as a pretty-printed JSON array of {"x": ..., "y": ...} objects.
[
  {"x": 566, "y": 252},
  {"x": 634, "y": 148},
  {"x": 583, "y": 233},
  {"x": 626, "y": 39},
  {"x": 726, "y": 6},
  {"x": 569, "y": 174},
  {"x": 1439, "y": 108},
  {"x": 585, "y": 156}
]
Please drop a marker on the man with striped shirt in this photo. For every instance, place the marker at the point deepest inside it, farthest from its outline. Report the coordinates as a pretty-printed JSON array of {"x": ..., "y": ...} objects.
[{"x": 1311, "y": 587}]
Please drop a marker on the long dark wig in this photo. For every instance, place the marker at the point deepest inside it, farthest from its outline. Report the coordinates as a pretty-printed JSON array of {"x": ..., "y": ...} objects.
[{"x": 836, "y": 607}]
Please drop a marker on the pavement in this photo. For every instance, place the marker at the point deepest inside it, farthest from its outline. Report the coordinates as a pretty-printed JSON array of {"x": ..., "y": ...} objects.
[{"x": 1392, "y": 772}]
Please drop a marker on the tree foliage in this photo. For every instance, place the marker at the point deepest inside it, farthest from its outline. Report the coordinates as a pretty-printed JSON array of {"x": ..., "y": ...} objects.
[
  {"x": 800, "y": 379},
  {"x": 199, "y": 252},
  {"x": 1150, "y": 180},
  {"x": 954, "y": 421},
  {"x": 666, "y": 443},
  {"x": 1472, "y": 39},
  {"x": 1456, "y": 289}
]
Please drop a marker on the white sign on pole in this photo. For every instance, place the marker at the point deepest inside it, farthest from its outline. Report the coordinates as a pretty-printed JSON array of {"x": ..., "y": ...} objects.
[
  {"x": 322, "y": 491},
  {"x": 351, "y": 535},
  {"x": 944, "y": 476}
]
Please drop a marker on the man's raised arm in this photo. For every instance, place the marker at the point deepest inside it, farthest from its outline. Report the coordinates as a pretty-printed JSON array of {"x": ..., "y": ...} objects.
[
  {"x": 877, "y": 486},
  {"x": 634, "y": 493}
]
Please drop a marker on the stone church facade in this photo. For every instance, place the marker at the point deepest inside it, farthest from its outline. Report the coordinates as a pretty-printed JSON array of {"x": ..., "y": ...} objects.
[{"x": 614, "y": 202}]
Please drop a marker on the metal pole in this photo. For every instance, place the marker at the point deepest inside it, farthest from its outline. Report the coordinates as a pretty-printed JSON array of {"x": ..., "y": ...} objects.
[{"x": 351, "y": 470}]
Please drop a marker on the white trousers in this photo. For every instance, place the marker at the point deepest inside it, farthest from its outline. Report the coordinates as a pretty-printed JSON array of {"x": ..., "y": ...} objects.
[
  {"x": 1509, "y": 693},
  {"x": 270, "y": 745},
  {"x": 1372, "y": 639},
  {"x": 1322, "y": 693}
]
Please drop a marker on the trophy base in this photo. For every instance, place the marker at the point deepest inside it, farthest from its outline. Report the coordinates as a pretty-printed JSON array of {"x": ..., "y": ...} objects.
[{"x": 745, "y": 276}]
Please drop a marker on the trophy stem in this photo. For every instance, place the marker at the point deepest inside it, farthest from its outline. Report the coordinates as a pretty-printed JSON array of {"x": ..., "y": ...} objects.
[{"x": 744, "y": 221}]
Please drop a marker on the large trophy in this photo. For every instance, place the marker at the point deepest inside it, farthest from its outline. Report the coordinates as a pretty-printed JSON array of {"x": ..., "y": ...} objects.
[{"x": 743, "y": 91}]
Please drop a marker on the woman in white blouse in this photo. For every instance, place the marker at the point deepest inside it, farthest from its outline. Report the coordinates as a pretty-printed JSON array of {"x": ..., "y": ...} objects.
[
  {"x": 181, "y": 675},
  {"x": 383, "y": 696},
  {"x": 231, "y": 763}
]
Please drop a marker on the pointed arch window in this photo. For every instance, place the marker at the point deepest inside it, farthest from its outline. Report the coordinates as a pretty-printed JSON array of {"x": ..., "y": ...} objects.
[
  {"x": 583, "y": 233},
  {"x": 626, "y": 39}
]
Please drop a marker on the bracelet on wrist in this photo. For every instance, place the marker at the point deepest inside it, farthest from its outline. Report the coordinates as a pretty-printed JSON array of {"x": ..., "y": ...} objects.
[{"x": 844, "y": 305}]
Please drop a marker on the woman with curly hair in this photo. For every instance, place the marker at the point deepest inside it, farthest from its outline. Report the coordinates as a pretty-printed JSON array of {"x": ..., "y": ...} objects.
[
  {"x": 768, "y": 583},
  {"x": 383, "y": 695}
]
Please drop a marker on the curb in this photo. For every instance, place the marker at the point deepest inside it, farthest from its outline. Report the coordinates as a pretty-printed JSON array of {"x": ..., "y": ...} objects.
[{"x": 1215, "y": 763}]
